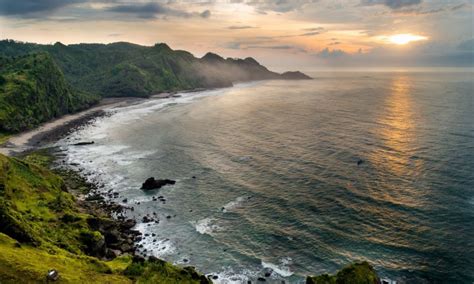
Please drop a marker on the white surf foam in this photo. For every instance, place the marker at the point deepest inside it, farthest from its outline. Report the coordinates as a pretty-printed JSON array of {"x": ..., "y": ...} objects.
[
  {"x": 282, "y": 269},
  {"x": 234, "y": 204},
  {"x": 206, "y": 226}
]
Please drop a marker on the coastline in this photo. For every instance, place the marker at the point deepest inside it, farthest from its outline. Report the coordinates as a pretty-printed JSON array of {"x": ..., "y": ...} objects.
[{"x": 52, "y": 130}]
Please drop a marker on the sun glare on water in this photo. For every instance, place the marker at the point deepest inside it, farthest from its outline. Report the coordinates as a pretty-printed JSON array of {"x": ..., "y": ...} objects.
[{"x": 402, "y": 39}]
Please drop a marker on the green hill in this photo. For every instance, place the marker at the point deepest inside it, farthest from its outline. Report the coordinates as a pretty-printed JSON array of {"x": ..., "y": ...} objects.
[
  {"x": 34, "y": 90},
  {"x": 125, "y": 69}
]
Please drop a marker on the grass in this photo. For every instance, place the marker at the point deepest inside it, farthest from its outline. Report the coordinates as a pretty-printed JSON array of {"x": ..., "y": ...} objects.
[{"x": 42, "y": 228}]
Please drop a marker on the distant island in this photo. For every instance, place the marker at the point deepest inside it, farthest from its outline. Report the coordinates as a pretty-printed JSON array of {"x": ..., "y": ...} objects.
[{"x": 40, "y": 82}]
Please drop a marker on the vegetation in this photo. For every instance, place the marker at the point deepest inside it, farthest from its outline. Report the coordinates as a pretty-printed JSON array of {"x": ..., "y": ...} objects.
[
  {"x": 42, "y": 228},
  {"x": 357, "y": 273},
  {"x": 125, "y": 69},
  {"x": 33, "y": 90}
]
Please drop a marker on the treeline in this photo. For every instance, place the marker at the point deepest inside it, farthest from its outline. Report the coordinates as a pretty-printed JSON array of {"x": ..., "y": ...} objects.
[{"x": 33, "y": 90}]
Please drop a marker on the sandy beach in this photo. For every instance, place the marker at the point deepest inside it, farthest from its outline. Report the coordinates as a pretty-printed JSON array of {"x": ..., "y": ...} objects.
[{"x": 50, "y": 131}]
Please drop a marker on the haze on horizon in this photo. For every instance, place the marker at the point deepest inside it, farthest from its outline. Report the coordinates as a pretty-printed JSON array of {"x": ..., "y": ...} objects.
[{"x": 279, "y": 33}]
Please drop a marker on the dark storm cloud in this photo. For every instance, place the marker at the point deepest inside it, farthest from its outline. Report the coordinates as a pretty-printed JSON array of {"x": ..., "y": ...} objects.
[
  {"x": 392, "y": 4},
  {"x": 32, "y": 8},
  {"x": 153, "y": 10}
]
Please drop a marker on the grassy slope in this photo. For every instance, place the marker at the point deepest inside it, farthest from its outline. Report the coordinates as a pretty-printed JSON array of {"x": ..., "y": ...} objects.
[
  {"x": 41, "y": 228},
  {"x": 34, "y": 90}
]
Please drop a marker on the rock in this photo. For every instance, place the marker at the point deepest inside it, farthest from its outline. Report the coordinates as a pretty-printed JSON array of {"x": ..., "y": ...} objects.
[
  {"x": 128, "y": 224},
  {"x": 53, "y": 275},
  {"x": 112, "y": 253},
  {"x": 360, "y": 162},
  {"x": 112, "y": 236},
  {"x": 138, "y": 259},
  {"x": 147, "y": 219},
  {"x": 261, "y": 279},
  {"x": 83, "y": 143},
  {"x": 194, "y": 177},
  {"x": 152, "y": 183},
  {"x": 215, "y": 277},
  {"x": 125, "y": 200},
  {"x": 267, "y": 272},
  {"x": 95, "y": 197}
]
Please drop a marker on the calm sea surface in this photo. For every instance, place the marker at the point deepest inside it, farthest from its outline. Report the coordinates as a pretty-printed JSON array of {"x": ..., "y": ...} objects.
[{"x": 277, "y": 181}]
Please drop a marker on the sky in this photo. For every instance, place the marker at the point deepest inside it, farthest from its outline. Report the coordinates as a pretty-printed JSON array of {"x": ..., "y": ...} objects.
[{"x": 302, "y": 34}]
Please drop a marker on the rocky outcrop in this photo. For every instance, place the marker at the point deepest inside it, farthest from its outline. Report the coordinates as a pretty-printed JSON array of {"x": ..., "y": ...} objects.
[
  {"x": 152, "y": 183},
  {"x": 296, "y": 75},
  {"x": 355, "y": 273}
]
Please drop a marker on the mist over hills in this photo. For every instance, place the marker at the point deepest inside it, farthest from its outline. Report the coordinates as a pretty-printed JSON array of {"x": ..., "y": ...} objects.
[{"x": 126, "y": 69}]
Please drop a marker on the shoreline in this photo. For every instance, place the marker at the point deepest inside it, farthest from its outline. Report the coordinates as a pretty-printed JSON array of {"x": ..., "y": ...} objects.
[{"x": 53, "y": 130}]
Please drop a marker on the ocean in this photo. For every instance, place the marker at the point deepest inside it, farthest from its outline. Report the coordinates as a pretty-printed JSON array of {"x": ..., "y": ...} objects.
[{"x": 299, "y": 177}]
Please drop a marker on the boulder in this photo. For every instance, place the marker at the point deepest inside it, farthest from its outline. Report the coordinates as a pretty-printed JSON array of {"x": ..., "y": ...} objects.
[{"x": 152, "y": 183}]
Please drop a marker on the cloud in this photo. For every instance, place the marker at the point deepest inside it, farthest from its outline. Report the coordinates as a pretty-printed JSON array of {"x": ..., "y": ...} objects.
[
  {"x": 317, "y": 29},
  {"x": 392, "y": 4},
  {"x": 153, "y": 10},
  {"x": 281, "y": 47},
  {"x": 327, "y": 53},
  {"x": 281, "y": 6},
  {"x": 310, "y": 34},
  {"x": 240, "y": 27},
  {"x": 419, "y": 11},
  {"x": 33, "y": 8}
]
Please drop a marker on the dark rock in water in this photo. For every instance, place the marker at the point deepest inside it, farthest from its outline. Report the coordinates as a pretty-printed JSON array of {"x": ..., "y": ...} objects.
[
  {"x": 261, "y": 279},
  {"x": 147, "y": 219},
  {"x": 84, "y": 143},
  {"x": 125, "y": 200},
  {"x": 185, "y": 260},
  {"x": 194, "y": 177},
  {"x": 215, "y": 277},
  {"x": 268, "y": 272},
  {"x": 360, "y": 162},
  {"x": 168, "y": 217},
  {"x": 152, "y": 183},
  {"x": 53, "y": 275}
]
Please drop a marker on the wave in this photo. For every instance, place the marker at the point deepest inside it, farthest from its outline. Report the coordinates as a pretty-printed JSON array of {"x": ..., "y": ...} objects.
[
  {"x": 206, "y": 226},
  {"x": 283, "y": 269},
  {"x": 235, "y": 203}
]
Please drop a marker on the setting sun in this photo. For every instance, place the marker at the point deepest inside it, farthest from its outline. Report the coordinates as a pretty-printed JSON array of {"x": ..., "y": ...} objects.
[{"x": 402, "y": 39}]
